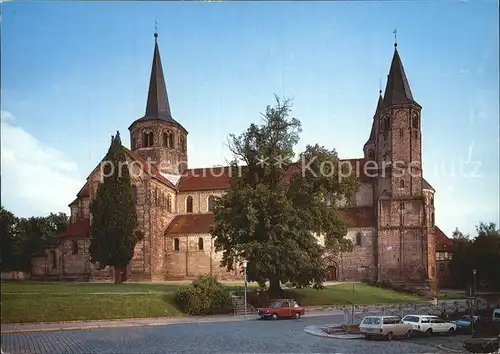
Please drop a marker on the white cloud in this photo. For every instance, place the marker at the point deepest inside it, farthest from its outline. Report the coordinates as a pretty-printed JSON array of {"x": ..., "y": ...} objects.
[{"x": 36, "y": 179}]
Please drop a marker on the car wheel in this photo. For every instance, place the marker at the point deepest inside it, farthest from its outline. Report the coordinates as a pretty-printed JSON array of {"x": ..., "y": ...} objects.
[
  {"x": 451, "y": 332},
  {"x": 297, "y": 316},
  {"x": 429, "y": 332},
  {"x": 408, "y": 334},
  {"x": 390, "y": 336},
  {"x": 274, "y": 316}
]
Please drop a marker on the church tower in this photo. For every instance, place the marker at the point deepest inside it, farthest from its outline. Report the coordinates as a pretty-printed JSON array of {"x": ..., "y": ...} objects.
[
  {"x": 405, "y": 243},
  {"x": 157, "y": 136}
]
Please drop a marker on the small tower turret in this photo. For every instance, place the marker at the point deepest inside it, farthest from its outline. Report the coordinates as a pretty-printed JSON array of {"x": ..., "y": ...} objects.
[{"x": 370, "y": 145}]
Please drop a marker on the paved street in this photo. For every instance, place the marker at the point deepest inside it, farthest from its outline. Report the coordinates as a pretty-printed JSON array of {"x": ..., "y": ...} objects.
[{"x": 249, "y": 336}]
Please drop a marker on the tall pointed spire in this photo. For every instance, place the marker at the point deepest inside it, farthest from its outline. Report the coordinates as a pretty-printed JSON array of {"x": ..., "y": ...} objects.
[
  {"x": 380, "y": 102},
  {"x": 397, "y": 90},
  {"x": 157, "y": 106},
  {"x": 372, "y": 138}
]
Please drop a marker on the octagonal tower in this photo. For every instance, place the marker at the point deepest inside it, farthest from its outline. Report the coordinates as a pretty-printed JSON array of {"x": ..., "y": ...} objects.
[{"x": 157, "y": 137}]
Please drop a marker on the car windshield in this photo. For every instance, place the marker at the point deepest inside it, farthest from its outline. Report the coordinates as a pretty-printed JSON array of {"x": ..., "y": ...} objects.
[
  {"x": 371, "y": 320},
  {"x": 411, "y": 319},
  {"x": 276, "y": 304}
]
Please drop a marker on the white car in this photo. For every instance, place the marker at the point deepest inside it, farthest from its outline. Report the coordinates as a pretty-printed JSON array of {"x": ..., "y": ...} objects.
[
  {"x": 429, "y": 324},
  {"x": 384, "y": 326},
  {"x": 496, "y": 315}
]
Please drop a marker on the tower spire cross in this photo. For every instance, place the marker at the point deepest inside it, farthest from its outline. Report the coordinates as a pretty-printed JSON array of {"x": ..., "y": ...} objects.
[
  {"x": 395, "y": 37},
  {"x": 156, "y": 30}
]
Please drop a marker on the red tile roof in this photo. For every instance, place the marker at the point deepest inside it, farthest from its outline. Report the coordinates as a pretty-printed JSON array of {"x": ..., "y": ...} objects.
[
  {"x": 200, "y": 223},
  {"x": 359, "y": 216},
  {"x": 84, "y": 192},
  {"x": 146, "y": 167},
  {"x": 443, "y": 242},
  {"x": 149, "y": 168},
  {"x": 361, "y": 168},
  {"x": 212, "y": 178},
  {"x": 79, "y": 228},
  {"x": 191, "y": 224}
]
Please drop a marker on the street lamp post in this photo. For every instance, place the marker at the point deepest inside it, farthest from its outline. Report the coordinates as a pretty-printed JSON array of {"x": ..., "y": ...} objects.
[
  {"x": 352, "y": 309},
  {"x": 245, "y": 275},
  {"x": 475, "y": 300}
]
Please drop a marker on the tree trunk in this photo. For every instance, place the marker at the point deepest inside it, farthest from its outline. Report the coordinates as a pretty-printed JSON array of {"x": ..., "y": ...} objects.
[
  {"x": 118, "y": 275},
  {"x": 275, "y": 290}
]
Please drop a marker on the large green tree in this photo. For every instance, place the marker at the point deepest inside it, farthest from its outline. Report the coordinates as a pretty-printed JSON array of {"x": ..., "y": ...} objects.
[
  {"x": 462, "y": 263},
  {"x": 11, "y": 241},
  {"x": 21, "y": 238},
  {"x": 112, "y": 234},
  {"x": 482, "y": 253},
  {"x": 276, "y": 205}
]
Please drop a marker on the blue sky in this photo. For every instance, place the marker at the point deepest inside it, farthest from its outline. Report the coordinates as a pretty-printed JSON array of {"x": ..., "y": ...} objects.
[{"x": 74, "y": 73}]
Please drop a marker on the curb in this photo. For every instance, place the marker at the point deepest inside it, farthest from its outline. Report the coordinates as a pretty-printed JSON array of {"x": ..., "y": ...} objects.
[
  {"x": 318, "y": 332},
  {"x": 53, "y": 329},
  {"x": 448, "y": 349}
]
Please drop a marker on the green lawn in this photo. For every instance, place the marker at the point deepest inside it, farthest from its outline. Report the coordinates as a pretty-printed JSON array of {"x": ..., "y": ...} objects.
[
  {"x": 74, "y": 307},
  {"x": 24, "y": 302},
  {"x": 86, "y": 288},
  {"x": 51, "y": 302},
  {"x": 342, "y": 294},
  {"x": 450, "y": 295}
]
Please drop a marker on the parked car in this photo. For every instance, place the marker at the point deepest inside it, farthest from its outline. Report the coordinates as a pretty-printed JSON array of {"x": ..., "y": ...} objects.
[
  {"x": 465, "y": 321},
  {"x": 384, "y": 326},
  {"x": 428, "y": 325},
  {"x": 496, "y": 315},
  {"x": 284, "y": 308}
]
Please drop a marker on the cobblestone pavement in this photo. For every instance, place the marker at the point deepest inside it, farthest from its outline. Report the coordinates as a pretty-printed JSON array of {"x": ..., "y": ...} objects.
[{"x": 252, "y": 336}]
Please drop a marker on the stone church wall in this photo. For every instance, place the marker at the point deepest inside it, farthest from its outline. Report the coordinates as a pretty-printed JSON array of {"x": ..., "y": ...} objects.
[
  {"x": 190, "y": 262},
  {"x": 75, "y": 257},
  {"x": 360, "y": 263},
  {"x": 153, "y": 218},
  {"x": 200, "y": 200},
  {"x": 404, "y": 241},
  {"x": 363, "y": 197}
]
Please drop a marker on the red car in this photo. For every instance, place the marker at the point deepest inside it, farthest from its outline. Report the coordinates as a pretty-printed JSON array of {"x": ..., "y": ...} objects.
[{"x": 284, "y": 308}]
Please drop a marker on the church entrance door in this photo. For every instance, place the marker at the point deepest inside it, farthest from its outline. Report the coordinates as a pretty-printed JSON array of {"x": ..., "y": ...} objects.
[{"x": 332, "y": 273}]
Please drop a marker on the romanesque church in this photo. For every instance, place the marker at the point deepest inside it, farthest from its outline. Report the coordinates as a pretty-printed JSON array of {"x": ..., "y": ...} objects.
[{"x": 392, "y": 214}]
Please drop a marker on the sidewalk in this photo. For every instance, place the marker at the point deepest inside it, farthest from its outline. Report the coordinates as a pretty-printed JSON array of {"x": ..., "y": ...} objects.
[{"x": 138, "y": 322}]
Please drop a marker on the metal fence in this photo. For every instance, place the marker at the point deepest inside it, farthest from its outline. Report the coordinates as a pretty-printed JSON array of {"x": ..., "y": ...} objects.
[{"x": 443, "y": 307}]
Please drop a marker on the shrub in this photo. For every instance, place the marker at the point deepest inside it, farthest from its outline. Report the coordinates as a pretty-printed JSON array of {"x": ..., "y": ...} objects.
[
  {"x": 259, "y": 298},
  {"x": 482, "y": 345},
  {"x": 204, "y": 296}
]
